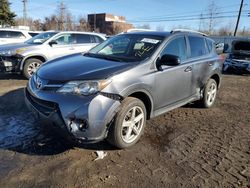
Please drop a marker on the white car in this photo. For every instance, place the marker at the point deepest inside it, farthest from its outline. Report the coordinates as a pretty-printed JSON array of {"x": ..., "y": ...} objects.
[
  {"x": 26, "y": 57},
  {"x": 9, "y": 36}
]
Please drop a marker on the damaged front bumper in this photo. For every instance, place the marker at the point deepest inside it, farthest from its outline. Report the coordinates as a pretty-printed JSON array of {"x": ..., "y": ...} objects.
[
  {"x": 237, "y": 67},
  {"x": 10, "y": 64},
  {"x": 84, "y": 118}
]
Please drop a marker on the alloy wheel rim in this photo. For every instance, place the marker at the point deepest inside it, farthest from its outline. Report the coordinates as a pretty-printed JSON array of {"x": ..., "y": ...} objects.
[
  {"x": 132, "y": 124},
  {"x": 32, "y": 68},
  {"x": 211, "y": 94}
]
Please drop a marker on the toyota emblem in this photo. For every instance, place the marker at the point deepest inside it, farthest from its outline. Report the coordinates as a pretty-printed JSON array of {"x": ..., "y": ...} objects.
[{"x": 39, "y": 83}]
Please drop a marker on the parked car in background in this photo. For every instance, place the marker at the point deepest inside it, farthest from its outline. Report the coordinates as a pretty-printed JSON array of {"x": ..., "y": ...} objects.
[
  {"x": 9, "y": 36},
  {"x": 238, "y": 60},
  {"x": 110, "y": 91},
  {"x": 26, "y": 57}
]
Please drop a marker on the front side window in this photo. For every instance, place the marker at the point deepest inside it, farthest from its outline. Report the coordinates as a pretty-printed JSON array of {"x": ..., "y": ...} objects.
[
  {"x": 197, "y": 46},
  {"x": 64, "y": 39},
  {"x": 176, "y": 47},
  {"x": 128, "y": 47}
]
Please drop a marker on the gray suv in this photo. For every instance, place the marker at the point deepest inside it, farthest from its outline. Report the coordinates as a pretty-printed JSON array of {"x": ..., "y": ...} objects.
[
  {"x": 113, "y": 89},
  {"x": 28, "y": 56}
]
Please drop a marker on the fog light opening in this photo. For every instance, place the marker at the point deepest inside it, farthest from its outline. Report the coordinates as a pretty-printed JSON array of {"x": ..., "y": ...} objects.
[{"x": 78, "y": 125}]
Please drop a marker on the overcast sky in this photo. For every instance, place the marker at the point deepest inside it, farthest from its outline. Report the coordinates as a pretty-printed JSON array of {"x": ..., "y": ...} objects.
[{"x": 164, "y": 13}]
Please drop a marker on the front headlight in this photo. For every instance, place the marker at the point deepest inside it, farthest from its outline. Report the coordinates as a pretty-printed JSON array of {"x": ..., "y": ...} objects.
[
  {"x": 12, "y": 52},
  {"x": 84, "y": 87},
  {"x": 8, "y": 52}
]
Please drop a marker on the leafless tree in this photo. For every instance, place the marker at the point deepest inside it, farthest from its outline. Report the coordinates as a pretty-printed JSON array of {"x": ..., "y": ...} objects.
[{"x": 83, "y": 24}]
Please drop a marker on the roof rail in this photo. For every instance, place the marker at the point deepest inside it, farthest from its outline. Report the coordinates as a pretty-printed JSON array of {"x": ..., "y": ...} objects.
[{"x": 188, "y": 31}]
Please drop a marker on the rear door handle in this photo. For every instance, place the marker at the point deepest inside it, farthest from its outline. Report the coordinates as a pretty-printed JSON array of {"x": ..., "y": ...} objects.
[
  {"x": 210, "y": 64},
  {"x": 188, "y": 69}
]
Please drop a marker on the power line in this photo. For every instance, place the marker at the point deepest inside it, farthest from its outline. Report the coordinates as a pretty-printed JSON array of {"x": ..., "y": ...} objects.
[
  {"x": 186, "y": 13},
  {"x": 189, "y": 19},
  {"x": 185, "y": 16}
]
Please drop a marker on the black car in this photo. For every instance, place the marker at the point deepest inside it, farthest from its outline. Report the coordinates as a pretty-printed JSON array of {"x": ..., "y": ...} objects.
[{"x": 238, "y": 61}]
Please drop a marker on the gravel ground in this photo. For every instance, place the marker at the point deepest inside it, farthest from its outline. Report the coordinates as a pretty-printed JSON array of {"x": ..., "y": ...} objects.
[{"x": 187, "y": 147}]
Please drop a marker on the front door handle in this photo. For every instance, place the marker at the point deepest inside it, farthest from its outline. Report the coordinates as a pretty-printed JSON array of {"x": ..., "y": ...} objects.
[{"x": 188, "y": 69}]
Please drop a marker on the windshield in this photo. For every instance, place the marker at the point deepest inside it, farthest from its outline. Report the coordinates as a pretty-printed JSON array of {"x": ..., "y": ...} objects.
[
  {"x": 127, "y": 47},
  {"x": 41, "y": 38}
]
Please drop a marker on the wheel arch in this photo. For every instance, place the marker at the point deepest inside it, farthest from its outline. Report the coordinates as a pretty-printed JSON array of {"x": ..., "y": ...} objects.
[
  {"x": 145, "y": 98},
  {"x": 217, "y": 78},
  {"x": 40, "y": 57}
]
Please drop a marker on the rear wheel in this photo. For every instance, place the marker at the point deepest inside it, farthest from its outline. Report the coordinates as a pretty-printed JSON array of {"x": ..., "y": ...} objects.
[
  {"x": 209, "y": 94},
  {"x": 31, "y": 66},
  {"x": 129, "y": 123}
]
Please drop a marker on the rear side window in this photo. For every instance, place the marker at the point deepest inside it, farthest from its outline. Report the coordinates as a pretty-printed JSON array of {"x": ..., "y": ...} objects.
[
  {"x": 210, "y": 45},
  {"x": 198, "y": 46},
  {"x": 11, "y": 34},
  {"x": 81, "y": 38},
  {"x": 15, "y": 34},
  {"x": 176, "y": 47},
  {"x": 3, "y": 34}
]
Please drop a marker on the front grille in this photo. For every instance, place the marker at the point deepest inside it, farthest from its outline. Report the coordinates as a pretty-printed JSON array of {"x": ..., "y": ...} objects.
[{"x": 45, "y": 107}]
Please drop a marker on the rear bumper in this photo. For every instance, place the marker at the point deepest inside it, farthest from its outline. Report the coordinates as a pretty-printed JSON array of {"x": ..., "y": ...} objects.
[{"x": 84, "y": 118}]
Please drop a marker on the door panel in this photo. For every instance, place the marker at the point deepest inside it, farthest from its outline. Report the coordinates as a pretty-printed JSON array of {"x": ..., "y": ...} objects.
[
  {"x": 63, "y": 47},
  {"x": 172, "y": 85}
]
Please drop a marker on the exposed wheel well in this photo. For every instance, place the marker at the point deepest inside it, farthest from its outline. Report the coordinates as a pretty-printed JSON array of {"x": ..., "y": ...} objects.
[
  {"x": 145, "y": 99},
  {"x": 216, "y": 78}
]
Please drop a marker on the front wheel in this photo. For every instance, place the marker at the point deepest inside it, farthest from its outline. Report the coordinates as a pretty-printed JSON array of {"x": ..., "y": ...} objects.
[
  {"x": 31, "y": 66},
  {"x": 129, "y": 123},
  {"x": 209, "y": 94}
]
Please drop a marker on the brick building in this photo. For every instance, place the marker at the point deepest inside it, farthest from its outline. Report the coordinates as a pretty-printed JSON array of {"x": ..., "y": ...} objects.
[{"x": 108, "y": 23}]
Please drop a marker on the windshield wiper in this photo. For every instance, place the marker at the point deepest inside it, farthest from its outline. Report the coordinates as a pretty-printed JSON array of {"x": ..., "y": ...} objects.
[{"x": 103, "y": 57}]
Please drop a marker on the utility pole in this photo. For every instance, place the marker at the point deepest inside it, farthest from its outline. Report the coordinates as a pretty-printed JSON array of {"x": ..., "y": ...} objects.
[
  {"x": 238, "y": 19},
  {"x": 24, "y": 12},
  {"x": 62, "y": 16}
]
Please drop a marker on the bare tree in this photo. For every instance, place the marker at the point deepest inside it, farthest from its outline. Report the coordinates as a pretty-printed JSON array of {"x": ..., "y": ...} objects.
[
  {"x": 225, "y": 30},
  {"x": 50, "y": 23},
  {"x": 212, "y": 12},
  {"x": 83, "y": 24}
]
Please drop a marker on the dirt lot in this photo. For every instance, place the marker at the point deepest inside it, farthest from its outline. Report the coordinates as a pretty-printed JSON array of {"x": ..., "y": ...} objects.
[{"x": 187, "y": 147}]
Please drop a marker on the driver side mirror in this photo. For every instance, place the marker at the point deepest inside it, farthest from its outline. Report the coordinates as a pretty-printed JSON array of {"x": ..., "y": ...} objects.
[
  {"x": 53, "y": 42},
  {"x": 170, "y": 60}
]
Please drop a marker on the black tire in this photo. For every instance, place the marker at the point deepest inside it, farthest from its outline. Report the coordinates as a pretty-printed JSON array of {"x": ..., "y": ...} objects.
[
  {"x": 206, "y": 101},
  {"x": 28, "y": 63},
  {"x": 116, "y": 131}
]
